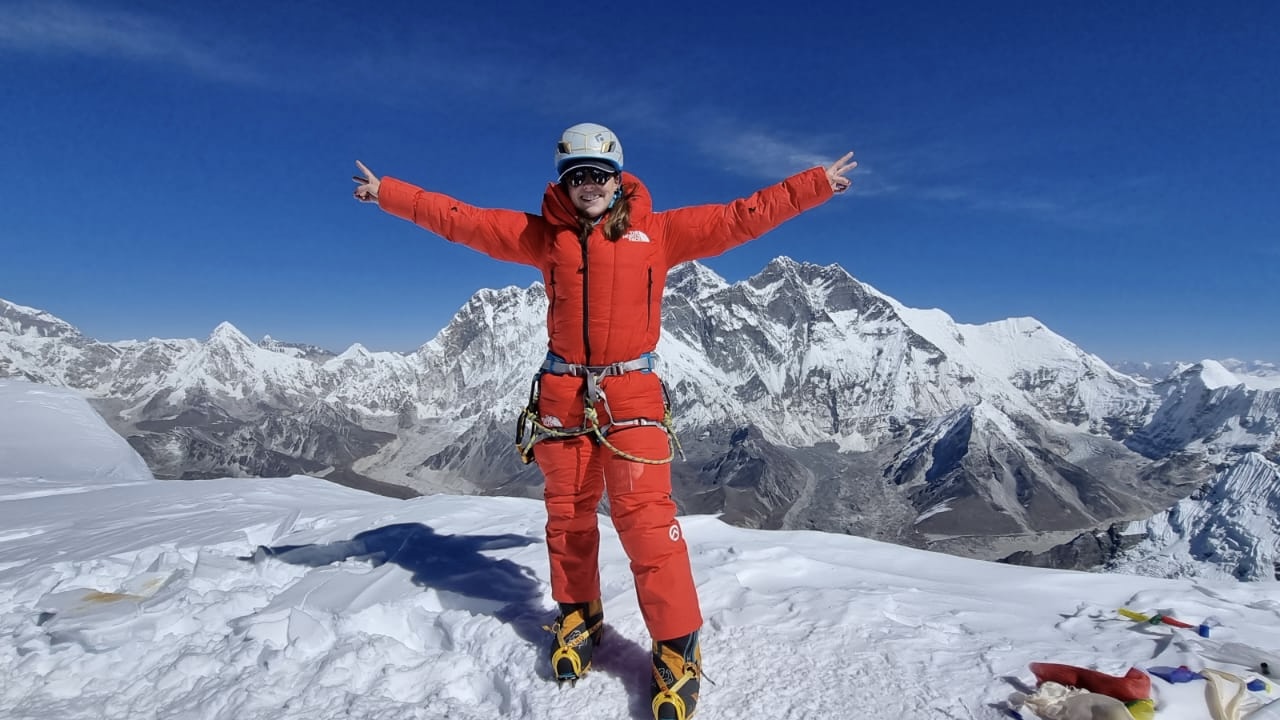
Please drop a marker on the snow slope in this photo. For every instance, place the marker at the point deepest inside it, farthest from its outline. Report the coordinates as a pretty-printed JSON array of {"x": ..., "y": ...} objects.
[{"x": 125, "y": 597}]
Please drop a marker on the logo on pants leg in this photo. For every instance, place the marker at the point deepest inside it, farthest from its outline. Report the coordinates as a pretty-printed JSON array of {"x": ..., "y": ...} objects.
[{"x": 674, "y": 532}]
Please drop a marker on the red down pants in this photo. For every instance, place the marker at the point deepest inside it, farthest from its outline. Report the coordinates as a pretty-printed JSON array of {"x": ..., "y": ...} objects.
[{"x": 578, "y": 472}]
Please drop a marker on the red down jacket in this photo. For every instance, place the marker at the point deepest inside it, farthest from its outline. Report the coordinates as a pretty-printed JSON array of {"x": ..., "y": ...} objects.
[{"x": 606, "y": 297}]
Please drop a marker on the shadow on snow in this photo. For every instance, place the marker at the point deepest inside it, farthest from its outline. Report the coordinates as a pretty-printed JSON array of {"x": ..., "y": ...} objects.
[{"x": 457, "y": 564}]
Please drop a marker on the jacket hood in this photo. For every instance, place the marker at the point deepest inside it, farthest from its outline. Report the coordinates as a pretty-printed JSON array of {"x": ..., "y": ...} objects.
[{"x": 558, "y": 209}]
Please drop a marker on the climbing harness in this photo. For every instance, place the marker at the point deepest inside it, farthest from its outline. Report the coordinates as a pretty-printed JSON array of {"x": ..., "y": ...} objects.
[{"x": 531, "y": 430}]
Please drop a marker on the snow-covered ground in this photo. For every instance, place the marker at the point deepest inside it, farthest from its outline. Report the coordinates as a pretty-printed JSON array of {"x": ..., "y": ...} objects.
[{"x": 126, "y": 597}]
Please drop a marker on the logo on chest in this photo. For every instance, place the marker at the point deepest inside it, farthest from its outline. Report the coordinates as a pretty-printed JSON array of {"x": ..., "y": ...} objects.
[{"x": 636, "y": 236}]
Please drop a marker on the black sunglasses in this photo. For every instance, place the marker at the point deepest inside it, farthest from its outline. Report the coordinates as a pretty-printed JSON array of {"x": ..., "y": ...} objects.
[{"x": 582, "y": 176}]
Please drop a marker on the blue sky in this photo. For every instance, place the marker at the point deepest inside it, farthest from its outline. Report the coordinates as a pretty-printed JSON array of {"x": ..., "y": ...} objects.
[{"x": 1104, "y": 167}]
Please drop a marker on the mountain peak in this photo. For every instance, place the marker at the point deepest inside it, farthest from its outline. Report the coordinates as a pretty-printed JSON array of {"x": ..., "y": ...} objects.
[
  {"x": 694, "y": 280},
  {"x": 781, "y": 266},
  {"x": 22, "y": 320},
  {"x": 355, "y": 352},
  {"x": 806, "y": 273},
  {"x": 1214, "y": 375},
  {"x": 226, "y": 333}
]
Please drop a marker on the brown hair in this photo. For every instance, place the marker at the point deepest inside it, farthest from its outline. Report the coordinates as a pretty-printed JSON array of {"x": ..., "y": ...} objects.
[{"x": 617, "y": 220}]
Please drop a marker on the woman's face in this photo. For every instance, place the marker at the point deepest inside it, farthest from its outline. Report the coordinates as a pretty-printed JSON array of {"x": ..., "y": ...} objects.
[{"x": 591, "y": 190}]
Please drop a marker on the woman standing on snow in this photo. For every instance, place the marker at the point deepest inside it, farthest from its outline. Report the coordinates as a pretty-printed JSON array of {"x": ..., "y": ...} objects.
[{"x": 599, "y": 416}]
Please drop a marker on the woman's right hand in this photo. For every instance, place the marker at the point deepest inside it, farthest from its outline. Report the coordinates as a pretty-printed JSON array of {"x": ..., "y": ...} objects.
[
  {"x": 367, "y": 191},
  {"x": 838, "y": 171}
]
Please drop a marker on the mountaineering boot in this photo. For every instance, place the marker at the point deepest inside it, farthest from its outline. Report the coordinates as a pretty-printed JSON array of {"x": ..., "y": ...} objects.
[
  {"x": 677, "y": 674},
  {"x": 578, "y": 631}
]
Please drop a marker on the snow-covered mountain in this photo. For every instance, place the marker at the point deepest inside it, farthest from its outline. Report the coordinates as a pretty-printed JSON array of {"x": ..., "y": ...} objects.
[
  {"x": 1228, "y": 528},
  {"x": 804, "y": 399},
  {"x": 1259, "y": 374},
  {"x": 32, "y": 323},
  {"x": 302, "y": 350},
  {"x": 1206, "y": 408}
]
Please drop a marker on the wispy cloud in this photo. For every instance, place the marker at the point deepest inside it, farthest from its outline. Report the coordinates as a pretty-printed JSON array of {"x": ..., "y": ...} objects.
[
  {"x": 934, "y": 172},
  {"x": 71, "y": 29},
  {"x": 754, "y": 151},
  {"x": 891, "y": 163},
  {"x": 1060, "y": 205},
  {"x": 924, "y": 171},
  {"x": 990, "y": 200},
  {"x": 749, "y": 147}
]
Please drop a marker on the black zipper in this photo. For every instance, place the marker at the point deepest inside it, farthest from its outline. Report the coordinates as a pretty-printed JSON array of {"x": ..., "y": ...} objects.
[
  {"x": 586, "y": 337},
  {"x": 551, "y": 295},
  {"x": 648, "y": 305}
]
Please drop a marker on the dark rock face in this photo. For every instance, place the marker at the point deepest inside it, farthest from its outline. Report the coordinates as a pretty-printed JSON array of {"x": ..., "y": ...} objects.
[{"x": 1086, "y": 551}]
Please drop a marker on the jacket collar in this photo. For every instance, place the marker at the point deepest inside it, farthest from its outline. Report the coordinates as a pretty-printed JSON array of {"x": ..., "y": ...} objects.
[{"x": 558, "y": 209}]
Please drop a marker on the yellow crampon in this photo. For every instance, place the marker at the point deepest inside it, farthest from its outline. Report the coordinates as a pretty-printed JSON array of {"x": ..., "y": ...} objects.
[
  {"x": 677, "y": 679},
  {"x": 564, "y": 652},
  {"x": 582, "y": 628},
  {"x": 671, "y": 696}
]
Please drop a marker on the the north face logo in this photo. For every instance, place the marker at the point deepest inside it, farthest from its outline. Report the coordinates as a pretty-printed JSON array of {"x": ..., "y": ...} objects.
[{"x": 636, "y": 236}]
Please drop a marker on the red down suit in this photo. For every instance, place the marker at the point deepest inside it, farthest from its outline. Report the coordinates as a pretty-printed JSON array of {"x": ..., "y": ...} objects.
[{"x": 606, "y": 307}]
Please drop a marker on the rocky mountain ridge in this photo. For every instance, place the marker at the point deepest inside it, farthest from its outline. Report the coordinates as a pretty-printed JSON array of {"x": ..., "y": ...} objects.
[{"x": 804, "y": 398}]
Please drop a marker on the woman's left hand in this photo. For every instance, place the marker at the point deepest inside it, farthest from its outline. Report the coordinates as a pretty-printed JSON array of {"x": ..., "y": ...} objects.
[
  {"x": 367, "y": 189},
  {"x": 837, "y": 170}
]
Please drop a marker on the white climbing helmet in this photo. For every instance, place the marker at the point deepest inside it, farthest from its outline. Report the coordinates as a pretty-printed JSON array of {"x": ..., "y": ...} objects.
[{"x": 585, "y": 142}]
